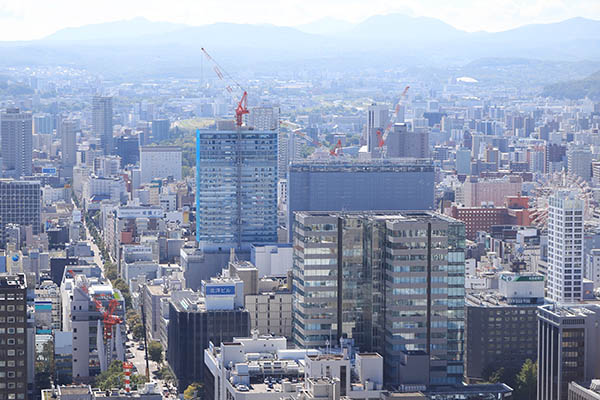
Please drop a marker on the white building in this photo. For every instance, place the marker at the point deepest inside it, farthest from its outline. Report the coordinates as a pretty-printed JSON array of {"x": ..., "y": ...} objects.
[
  {"x": 158, "y": 162},
  {"x": 96, "y": 189},
  {"x": 262, "y": 368},
  {"x": 592, "y": 267},
  {"x": 263, "y": 118},
  {"x": 565, "y": 246}
]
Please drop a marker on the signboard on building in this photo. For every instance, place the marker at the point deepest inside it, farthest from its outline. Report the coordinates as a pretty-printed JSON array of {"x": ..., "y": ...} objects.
[
  {"x": 220, "y": 290},
  {"x": 140, "y": 213}
]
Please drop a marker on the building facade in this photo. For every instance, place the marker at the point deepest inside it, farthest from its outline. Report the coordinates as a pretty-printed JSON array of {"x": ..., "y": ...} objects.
[
  {"x": 565, "y": 247},
  {"x": 160, "y": 162},
  {"x": 102, "y": 122},
  {"x": 359, "y": 185},
  {"x": 236, "y": 188},
  {"x": 388, "y": 282},
  {"x": 13, "y": 337},
  {"x": 17, "y": 143},
  {"x": 20, "y": 203},
  {"x": 568, "y": 349}
]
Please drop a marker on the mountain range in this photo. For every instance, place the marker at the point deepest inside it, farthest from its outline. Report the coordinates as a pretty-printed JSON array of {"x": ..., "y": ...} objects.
[{"x": 138, "y": 46}]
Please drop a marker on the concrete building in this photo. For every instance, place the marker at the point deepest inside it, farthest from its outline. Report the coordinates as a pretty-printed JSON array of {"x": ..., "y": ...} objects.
[
  {"x": 380, "y": 279},
  {"x": 194, "y": 322},
  {"x": 463, "y": 161},
  {"x": 584, "y": 391},
  {"x": 17, "y": 143},
  {"x": 160, "y": 129},
  {"x": 401, "y": 143},
  {"x": 236, "y": 188},
  {"x": 47, "y": 315},
  {"x": 592, "y": 267},
  {"x": 501, "y": 326},
  {"x": 378, "y": 117},
  {"x": 568, "y": 348},
  {"x": 14, "y": 348},
  {"x": 565, "y": 247},
  {"x": 359, "y": 185},
  {"x": 160, "y": 162},
  {"x": 85, "y": 392},
  {"x": 262, "y": 368},
  {"x": 476, "y": 191},
  {"x": 579, "y": 162},
  {"x": 92, "y": 351},
  {"x": 20, "y": 203},
  {"x": 68, "y": 130},
  {"x": 97, "y": 188},
  {"x": 263, "y": 118},
  {"x": 102, "y": 122}
]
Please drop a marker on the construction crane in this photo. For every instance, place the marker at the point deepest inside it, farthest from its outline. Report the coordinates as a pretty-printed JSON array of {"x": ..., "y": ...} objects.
[
  {"x": 242, "y": 107},
  {"x": 109, "y": 318},
  {"x": 337, "y": 149},
  {"x": 382, "y": 137}
]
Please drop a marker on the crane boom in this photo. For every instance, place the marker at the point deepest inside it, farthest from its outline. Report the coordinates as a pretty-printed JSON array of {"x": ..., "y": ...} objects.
[
  {"x": 383, "y": 137},
  {"x": 222, "y": 74}
]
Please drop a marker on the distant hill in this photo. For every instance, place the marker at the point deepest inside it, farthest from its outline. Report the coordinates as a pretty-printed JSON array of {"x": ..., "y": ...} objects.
[
  {"x": 576, "y": 89},
  {"x": 141, "y": 47}
]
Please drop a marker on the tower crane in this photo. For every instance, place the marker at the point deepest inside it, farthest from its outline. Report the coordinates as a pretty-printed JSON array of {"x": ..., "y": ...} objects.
[
  {"x": 382, "y": 137},
  {"x": 242, "y": 107}
]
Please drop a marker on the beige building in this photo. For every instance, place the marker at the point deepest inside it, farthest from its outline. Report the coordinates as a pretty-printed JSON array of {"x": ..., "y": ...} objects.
[{"x": 476, "y": 192}]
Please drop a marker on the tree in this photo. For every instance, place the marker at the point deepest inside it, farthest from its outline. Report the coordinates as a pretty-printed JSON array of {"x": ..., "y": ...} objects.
[
  {"x": 137, "y": 331},
  {"x": 527, "y": 381},
  {"x": 165, "y": 374},
  {"x": 155, "y": 352},
  {"x": 497, "y": 376},
  {"x": 113, "y": 377},
  {"x": 191, "y": 392}
]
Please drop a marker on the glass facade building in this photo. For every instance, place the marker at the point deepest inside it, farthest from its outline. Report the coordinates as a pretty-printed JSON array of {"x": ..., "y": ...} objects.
[
  {"x": 390, "y": 282},
  {"x": 236, "y": 188}
]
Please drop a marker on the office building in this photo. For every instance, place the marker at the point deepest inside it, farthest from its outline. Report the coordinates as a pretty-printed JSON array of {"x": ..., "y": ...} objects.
[
  {"x": 476, "y": 192},
  {"x": 579, "y": 163},
  {"x": 160, "y": 162},
  {"x": 565, "y": 246},
  {"x": 401, "y": 143},
  {"x": 43, "y": 123},
  {"x": 592, "y": 267},
  {"x": 17, "y": 143},
  {"x": 263, "y": 368},
  {"x": 92, "y": 351},
  {"x": 160, "y": 129},
  {"x": 568, "y": 350},
  {"x": 236, "y": 188},
  {"x": 584, "y": 391},
  {"x": 14, "y": 350},
  {"x": 391, "y": 282},
  {"x": 501, "y": 325},
  {"x": 102, "y": 122},
  {"x": 128, "y": 148},
  {"x": 196, "y": 321},
  {"x": 263, "y": 118},
  {"x": 20, "y": 203},
  {"x": 359, "y": 185},
  {"x": 378, "y": 117},
  {"x": 68, "y": 130},
  {"x": 463, "y": 161}
]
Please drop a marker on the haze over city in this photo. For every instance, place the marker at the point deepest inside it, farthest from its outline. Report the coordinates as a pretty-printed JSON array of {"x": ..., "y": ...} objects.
[{"x": 334, "y": 200}]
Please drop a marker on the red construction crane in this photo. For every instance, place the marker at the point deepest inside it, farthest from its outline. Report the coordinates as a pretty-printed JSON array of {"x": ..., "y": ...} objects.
[
  {"x": 382, "y": 137},
  {"x": 242, "y": 107},
  {"x": 337, "y": 149},
  {"x": 109, "y": 319}
]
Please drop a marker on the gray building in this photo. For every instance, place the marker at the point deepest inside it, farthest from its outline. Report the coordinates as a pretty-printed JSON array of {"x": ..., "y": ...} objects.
[
  {"x": 20, "y": 203},
  {"x": 406, "y": 184},
  {"x": 68, "y": 130},
  {"x": 13, "y": 346},
  {"x": 501, "y": 326},
  {"x": 102, "y": 122},
  {"x": 160, "y": 129},
  {"x": 17, "y": 143},
  {"x": 568, "y": 348},
  {"x": 584, "y": 391},
  {"x": 402, "y": 143},
  {"x": 390, "y": 282},
  {"x": 378, "y": 117}
]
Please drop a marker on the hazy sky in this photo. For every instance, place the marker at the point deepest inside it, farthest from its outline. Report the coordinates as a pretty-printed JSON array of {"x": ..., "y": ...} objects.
[{"x": 31, "y": 19}]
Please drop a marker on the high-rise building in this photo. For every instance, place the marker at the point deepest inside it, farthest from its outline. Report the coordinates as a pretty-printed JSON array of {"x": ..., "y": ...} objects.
[
  {"x": 388, "y": 184},
  {"x": 378, "y": 116},
  {"x": 128, "y": 148},
  {"x": 20, "y": 203},
  {"x": 102, "y": 122},
  {"x": 193, "y": 323},
  {"x": 69, "y": 128},
  {"x": 402, "y": 143},
  {"x": 13, "y": 332},
  {"x": 17, "y": 143},
  {"x": 236, "y": 188},
  {"x": 391, "y": 282},
  {"x": 263, "y": 118},
  {"x": 501, "y": 325},
  {"x": 565, "y": 247},
  {"x": 160, "y": 162},
  {"x": 43, "y": 123},
  {"x": 579, "y": 162},
  {"x": 160, "y": 129},
  {"x": 568, "y": 348}
]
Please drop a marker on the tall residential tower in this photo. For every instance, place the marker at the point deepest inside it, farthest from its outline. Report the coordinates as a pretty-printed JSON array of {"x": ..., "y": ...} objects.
[
  {"x": 102, "y": 122},
  {"x": 16, "y": 143}
]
